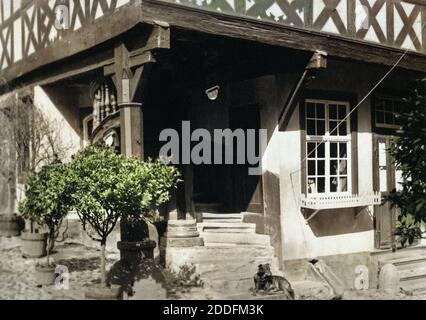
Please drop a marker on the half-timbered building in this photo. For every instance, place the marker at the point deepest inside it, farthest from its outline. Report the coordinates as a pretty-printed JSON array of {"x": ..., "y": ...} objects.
[{"x": 325, "y": 78}]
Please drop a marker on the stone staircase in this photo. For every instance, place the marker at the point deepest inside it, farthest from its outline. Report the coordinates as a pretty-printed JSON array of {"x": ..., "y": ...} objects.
[
  {"x": 411, "y": 266},
  {"x": 232, "y": 251}
]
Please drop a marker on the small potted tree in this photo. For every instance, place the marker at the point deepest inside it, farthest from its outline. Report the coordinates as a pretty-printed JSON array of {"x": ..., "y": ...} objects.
[
  {"x": 47, "y": 203},
  {"x": 106, "y": 187},
  {"x": 144, "y": 187},
  {"x": 95, "y": 175}
]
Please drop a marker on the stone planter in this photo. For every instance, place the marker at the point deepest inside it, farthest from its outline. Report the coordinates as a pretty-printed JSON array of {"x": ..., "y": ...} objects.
[
  {"x": 33, "y": 244},
  {"x": 136, "y": 251},
  {"x": 11, "y": 225},
  {"x": 45, "y": 275},
  {"x": 100, "y": 292}
]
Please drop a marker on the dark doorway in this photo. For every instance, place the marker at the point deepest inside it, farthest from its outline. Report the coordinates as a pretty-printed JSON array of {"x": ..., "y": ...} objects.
[{"x": 246, "y": 189}]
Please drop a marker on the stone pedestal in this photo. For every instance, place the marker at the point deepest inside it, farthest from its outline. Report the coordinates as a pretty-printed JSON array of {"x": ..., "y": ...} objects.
[{"x": 180, "y": 234}]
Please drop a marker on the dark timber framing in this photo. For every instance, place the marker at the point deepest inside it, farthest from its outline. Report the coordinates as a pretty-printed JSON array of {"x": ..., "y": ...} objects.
[
  {"x": 77, "y": 47},
  {"x": 269, "y": 33}
]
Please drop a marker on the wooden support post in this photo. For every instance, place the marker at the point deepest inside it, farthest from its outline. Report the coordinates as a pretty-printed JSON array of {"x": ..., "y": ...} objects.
[
  {"x": 129, "y": 73},
  {"x": 131, "y": 121}
]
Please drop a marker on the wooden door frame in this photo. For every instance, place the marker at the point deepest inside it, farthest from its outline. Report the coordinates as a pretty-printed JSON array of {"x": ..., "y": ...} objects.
[{"x": 391, "y": 184}]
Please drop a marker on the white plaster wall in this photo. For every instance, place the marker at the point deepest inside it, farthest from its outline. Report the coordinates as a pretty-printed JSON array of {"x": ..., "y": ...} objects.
[
  {"x": 271, "y": 158},
  {"x": 299, "y": 241},
  {"x": 68, "y": 136},
  {"x": 298, "y": 238}
]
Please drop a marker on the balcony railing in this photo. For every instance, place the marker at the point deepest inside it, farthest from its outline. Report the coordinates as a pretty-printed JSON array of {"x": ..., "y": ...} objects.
[{"x": 324, "y": 202}]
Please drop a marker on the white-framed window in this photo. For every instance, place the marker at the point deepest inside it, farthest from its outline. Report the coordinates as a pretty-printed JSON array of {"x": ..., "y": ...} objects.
[
  {"x": 385, "y": 110},
  {"x": 328, "y": 147}
]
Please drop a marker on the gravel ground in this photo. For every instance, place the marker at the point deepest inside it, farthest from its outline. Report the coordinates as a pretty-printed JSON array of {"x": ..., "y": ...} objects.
[
  {"x": 17, "y": 281},
  {"x": 16, "y": 272}
]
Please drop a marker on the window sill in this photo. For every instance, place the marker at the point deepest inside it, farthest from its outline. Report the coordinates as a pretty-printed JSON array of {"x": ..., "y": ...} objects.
[{"x": 339, "y": 201}]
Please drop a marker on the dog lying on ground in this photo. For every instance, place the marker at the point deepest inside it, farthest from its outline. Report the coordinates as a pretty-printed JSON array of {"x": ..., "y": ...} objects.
[{"x": 267, "y": 283}]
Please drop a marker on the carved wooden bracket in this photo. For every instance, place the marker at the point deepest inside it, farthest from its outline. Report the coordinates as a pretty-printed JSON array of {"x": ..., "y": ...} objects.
[{"x": 133, "y": 66}]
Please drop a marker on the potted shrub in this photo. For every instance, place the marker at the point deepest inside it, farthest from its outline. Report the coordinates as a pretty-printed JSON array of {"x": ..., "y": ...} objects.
[
  {"x": 108, "y": 186},
  {"x": 46, "y": 203},
  {"x": 95, "y": 175},
  {"x": 144, "y": 186}
]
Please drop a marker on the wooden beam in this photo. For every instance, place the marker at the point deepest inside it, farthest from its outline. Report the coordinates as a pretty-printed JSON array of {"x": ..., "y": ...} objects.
[
  {"x": 96, "y": 33},
  {"x": 135, "y": 61},
  {"x": 159, "y": 37},
  {"x": 121, "y": 69},
  {"x": 318, "y": 61},
  {"x": 278, "y": 35}
]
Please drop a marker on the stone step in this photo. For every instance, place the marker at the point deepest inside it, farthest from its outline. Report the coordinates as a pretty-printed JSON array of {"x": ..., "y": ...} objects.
[
  {"x": 225, "y": 252},
  {"x": 412, "y": 273},
  {"x": 230, "y": 256},
  {"x": 228, "y": 230},
  {"x": 411, "y": 270},
  {"x": 243, "y": 268},
  {"x": 221, "y": 216},
  {"x": 413, "y": 285},
  {"x": 238, "y": 238},
  {"x": 235, "y": 221},
  {"x": 402, "y": 262},
  {"x": 225, "y": 225}
]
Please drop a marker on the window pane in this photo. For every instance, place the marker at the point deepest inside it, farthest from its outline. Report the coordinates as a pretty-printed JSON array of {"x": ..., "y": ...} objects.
[
  {"x": 343, "y": 167},
  {"x": 343, "y": 184},
  {"x": 320, "y": 111},
  {"x": 311, "y": 127},
  {"x": 380, "y": 117},
  {"x": 311, "y": 150},
  {"x": 333, "y": 150},
  {"x": 389, "y": 118},
  {"x": 383, "y": 179},
  {"x": 321, "y": 150},
  {"x": 380, "y": 106},
  {"x": 343, "y": 150},
  {"x": 327, "y": 162},
  {"x": 310, "y": 110},
  {"x": 321, "y": 185},
  {"x": 398, "y": 106},
  {"x": 397, "y": 120},
  {"x": 311, "y": 186},
  {"x": 311, "y": 167},
  {"x": 333, "y": 184},
  {"x": 343, "y": 129},
  {"x": 388, "y": 106},
  {"x": 333, "y": 167},
  {"x": 333, "y": 112},
  {"x": 320, "y": 127},
  {"x": 342, "y": 112},
  {"x": 321, "y": 167},
  {"x": 333, "y": 130}
]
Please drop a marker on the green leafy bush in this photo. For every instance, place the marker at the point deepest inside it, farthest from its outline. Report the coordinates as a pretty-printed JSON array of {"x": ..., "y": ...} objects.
[
  {"x": 107, "y": 186},
  {"x": 408, "y": 229},
  {"x": 47, "y": 200},
  {"x": 409, "y": 153}
]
